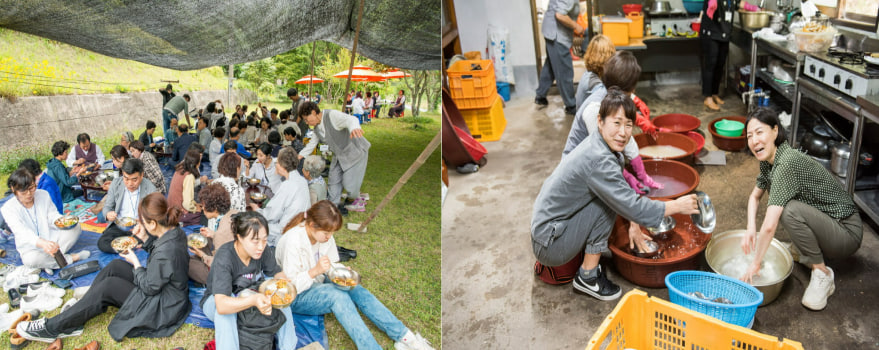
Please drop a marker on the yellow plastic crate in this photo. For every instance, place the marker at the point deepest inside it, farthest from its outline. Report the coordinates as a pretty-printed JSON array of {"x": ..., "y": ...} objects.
[
  {"x": 472, "y": 88},
  {"x": 486, "y": 124},
  {"x": 641, "y": 322}
]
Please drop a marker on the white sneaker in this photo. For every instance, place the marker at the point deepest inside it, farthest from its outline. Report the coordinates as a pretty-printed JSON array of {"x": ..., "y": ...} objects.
[
  {"x": 45, "y": 288},
  {"x": 42, "y": 302},
  {"x": 83, "y": 254},
  {"x": 820, "y": 287},
  {"x": 6, "y": 319},
  {"x": 69, "y": 304},
  {"x": 16, "y": 280},
  {"x": 4, "y": 308},
  {"x": 79, "y": 292},
  {"x": 411, "y": 341}
]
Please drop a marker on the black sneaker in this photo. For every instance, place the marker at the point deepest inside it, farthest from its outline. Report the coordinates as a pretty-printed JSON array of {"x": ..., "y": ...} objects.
[
  {"x": 571, "y": 110},
  {"x": 599, "y": 286},
  {"x": 36, "y": 331},
  {"x": 541, "y": 101},
  {"x": 342, "y": 209}
]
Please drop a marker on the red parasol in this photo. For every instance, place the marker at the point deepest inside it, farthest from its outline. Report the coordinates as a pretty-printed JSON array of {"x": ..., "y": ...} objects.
[{"x": 309, "y": 79}]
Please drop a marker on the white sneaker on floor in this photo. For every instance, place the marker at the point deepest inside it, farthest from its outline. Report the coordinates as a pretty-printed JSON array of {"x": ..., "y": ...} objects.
[
  {"x": 412, "y": 341},
  {"x": 45, "y": 288},
  {"x": 69, "y": 304},
  {"x": 79, "y": 292},
  {"x": 42, "y": 302},
  {"x": 820, "y": 287},
  {"x": 4, "y": 308},
  {"x": 358, "y": 205}
]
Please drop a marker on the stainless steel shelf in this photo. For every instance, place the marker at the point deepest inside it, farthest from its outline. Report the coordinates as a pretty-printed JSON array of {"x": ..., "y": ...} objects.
[
  {"x": 785, "y": 90},
  {"x": 866, "y": 200}
]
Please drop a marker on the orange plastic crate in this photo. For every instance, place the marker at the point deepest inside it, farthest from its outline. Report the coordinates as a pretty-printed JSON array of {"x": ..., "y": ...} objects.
[
  {"x": 472, "y": 89},
  {"x": 641, "y": 322},
  {"x": 486, "y": 124}
]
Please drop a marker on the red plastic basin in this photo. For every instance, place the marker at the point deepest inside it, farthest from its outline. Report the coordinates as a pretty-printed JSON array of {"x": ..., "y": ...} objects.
[
  {"x": 677, "y": 122},
  {"x": 670, "y": 139},
  {"x": 629, "y": 8}
]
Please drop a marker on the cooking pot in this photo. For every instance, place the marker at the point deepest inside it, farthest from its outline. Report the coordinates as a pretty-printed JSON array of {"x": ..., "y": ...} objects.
[
  {"x": 817, "y": 141},
  {"x": 841, "y": 156},
  {"x": 660, "y": 7}
]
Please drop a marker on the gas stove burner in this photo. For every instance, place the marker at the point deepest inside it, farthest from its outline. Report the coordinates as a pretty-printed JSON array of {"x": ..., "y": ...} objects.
[{"x": 846, "y": 57}]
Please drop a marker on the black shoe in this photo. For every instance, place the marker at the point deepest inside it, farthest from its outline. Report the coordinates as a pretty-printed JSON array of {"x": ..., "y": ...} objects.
[
  {"x": 342, "y": 209},
  {"x": 571, "y": 110},
  {"x": 541, "y": 101},
  {"x": 14, "y": 298},
  {"x": 599, "y": 286},
  {"x": 36, "y": 331}
]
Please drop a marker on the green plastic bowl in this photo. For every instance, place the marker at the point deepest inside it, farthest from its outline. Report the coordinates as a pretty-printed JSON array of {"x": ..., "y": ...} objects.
[{"x": 729, "y": 128}]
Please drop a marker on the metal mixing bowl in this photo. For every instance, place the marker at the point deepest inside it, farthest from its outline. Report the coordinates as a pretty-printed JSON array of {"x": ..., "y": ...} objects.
[
  {"x": 343, "y": 272},
  {"x": 726, "y": 245},
  {"x": 705, "y": 219},
  {"x": 280, "y": 287},
  {"x": 756, "y": 20},
  {"x": 126, "y": 223},
  {"x": 196, "y": 240},
  {"x": 668, "y": 223}
]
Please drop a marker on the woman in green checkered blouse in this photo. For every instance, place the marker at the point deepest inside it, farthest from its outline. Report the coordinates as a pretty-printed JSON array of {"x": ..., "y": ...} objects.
[{"x": 810, "y": 203}]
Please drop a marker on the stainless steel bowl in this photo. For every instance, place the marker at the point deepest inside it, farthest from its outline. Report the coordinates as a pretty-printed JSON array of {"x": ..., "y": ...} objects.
[
  {"x": 126, "y": 223},
  {"x": 667, "y": 224},
  {"x": 726, "y": 245},
  {"x": 196, "y": 240},
  {"x": 660, "y": 7},
  {"x": 64, "y": 222},
  {"x": 756, "y": 20},
  {"x": 343, "y": 273},
  {"x": 280, "y": 290},
  {"x": 705, "y": 219}
]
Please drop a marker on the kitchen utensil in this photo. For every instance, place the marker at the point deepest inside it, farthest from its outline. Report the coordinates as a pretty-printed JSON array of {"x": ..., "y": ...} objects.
[
  {"x": 755, "y": 20},
  {"x": 66, "y": 222},
  {"x": 343, "y": 278},
  {"x": 123, "y": 243},
  {"x": 660, "y": 7},
  {"x": 652, "y": 250},
  {"x": 726, "y": 245},
  {"x": 196, "y": 240},
  {"x": 667, "y": 224},
  {"x": 840, "y": 158},
  {"x": 126, "y": 223},
  {"x": 282, "y": 292},
  {"x": 705, "y": 219}
]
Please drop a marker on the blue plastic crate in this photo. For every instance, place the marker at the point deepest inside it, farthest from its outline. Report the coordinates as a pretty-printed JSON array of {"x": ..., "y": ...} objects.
[{"x": 745, "y": 298}]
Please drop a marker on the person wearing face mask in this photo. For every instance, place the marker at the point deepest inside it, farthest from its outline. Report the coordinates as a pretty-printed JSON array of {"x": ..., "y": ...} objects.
[
  {"x": 568, "y": 220},
  {"x": 812, "y": 206},
  {"x": 306, "y": 251},
  {"x": 125, "y": 193}
]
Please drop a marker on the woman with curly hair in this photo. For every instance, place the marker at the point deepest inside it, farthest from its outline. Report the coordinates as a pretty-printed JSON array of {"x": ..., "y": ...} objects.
[
  {"x": 217, "y": 209},
  {"x": 600, "y": 50}
]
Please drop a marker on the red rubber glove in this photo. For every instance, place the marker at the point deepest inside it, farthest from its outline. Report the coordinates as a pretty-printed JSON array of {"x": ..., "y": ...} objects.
[
  {"x": 643, "y": 119},
  {"x": 712, "y": 6}
]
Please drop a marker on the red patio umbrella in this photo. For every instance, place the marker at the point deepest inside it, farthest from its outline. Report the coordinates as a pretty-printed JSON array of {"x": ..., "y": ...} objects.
[
  {"x": 396, "y": 74},
  {"x": 309, "y": 79},
  {"x": 360, "y": 73}
]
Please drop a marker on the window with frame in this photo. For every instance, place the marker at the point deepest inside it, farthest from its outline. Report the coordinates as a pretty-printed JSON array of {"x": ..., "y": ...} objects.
[{"x": 861, "y": 14}]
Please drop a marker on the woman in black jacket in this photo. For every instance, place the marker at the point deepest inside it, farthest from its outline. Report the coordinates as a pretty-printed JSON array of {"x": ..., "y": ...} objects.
[
  {"x": 714, "y": 35},
  {"x": 153, "y": 301}
]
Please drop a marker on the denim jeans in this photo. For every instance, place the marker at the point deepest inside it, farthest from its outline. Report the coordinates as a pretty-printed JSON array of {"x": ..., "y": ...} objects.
[
  {"x": 166, "y": 119},
  {"x": 325, "y": 298},
  {"x": 359, "y": 117},
  {"x": 226, "y": 328}
]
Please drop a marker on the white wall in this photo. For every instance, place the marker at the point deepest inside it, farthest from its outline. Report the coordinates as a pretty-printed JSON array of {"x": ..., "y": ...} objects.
[{"x": 474, "y": 17}]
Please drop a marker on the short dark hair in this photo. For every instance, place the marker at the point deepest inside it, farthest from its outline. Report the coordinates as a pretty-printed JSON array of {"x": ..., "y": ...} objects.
[
  {"x": 230, "y": 146},
  {"x": 228, "y": 165},
  {"x": 215, "y": 198},
  {"x": 292, "y": 92},
  {"x": 137, "y": 145},
  {"x": 31, "y": 165},
  {"x": 244, "y": 108},
  {"x": 211, "y": 107},
  {"x": 205, "y": 121},
  {"x": 20, "y": 180},
  {"x": 266, "y": 120},
  {"x": 613, "y": 101},
  {"x": 131, "y": 166},
  {"x": 150, "y": 124},
  {"x": 248, "y": 223},
  {"x": 274, "y": 137},
  {"x": 265, "y": 148},
  {"x": 83, "y": 138},
  {"x": 274, "y": 111},
  {"x": 119, "y": 152},
  {"x": 168, "y": 87},
  {"x": 769, "y": 117},
  {"x": 307, "y": 107},
  {"x": 622, "y": 70},
  {"x": 404, "y": 92},
  {"x": 219, "y": 132},
  {"x": 183, "y": 128},
  {"x": 284, "y": 115},
  {"x": 59, "y": 148},
  {"x": 290, "y": 131},
  {"x": 288, "y": 158},
  {"x": 233, "y": 132},
  {"x": 186, "y": 96}
]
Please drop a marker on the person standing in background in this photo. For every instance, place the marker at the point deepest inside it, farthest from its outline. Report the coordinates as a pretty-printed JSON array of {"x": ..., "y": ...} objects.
[
  {"x": 559, "y": 25},
  {"x": 714, "y": 37}
]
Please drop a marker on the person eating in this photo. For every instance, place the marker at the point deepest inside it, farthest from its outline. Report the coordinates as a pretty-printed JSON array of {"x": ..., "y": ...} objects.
[
  {"x": 217, "y": 209},
  {"x": 65, "y": 179},
  {"x": 85, "y": 153},
  {"x": 812, "y": 206},
  {"x": 123, "y": 197}
]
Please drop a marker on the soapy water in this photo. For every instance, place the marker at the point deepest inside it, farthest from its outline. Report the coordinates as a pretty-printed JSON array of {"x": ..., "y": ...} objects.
[
  {"x": 671, "y": 186},
  {"x": 661, "y": 151},
  {"x": 737, "y": 266},
  {"x": 677, "y": 243}
]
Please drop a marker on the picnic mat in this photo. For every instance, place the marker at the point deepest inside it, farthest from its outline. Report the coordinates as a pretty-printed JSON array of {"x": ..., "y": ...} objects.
[{"x": 309, "y": 329}]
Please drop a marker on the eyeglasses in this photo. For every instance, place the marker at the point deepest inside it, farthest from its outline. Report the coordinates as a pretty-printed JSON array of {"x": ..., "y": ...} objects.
[{"x": 32, "y": 189}]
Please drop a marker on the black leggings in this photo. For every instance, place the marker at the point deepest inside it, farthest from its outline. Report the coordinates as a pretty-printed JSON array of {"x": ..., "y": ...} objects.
[
  {"x": 714, "y": 55},
  {"x": 111, "y": 287}
]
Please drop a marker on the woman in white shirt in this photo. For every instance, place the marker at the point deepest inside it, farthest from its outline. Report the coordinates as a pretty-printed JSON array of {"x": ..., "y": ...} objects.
[
  {"x": 264, "y": 168},
  {"x": 305, "y": 252},
  {"x": 357, "y": 106},
  {"x": 228, "y": 169},
  {"x": 31, "y": 216}
]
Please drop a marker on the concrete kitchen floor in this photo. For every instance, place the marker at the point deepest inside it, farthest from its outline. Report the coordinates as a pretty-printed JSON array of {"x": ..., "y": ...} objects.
[{"x": 492, "y": 300}]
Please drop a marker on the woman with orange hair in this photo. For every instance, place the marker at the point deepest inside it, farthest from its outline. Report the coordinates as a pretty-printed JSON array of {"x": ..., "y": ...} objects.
[{"x": 600, "y": 50}]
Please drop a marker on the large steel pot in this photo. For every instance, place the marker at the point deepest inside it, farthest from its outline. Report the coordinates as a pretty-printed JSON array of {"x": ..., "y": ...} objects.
[
  {"x": 726, "y": 245},
  {"x": 841, "y": 157},
  {"x": 757, "y": 19}
]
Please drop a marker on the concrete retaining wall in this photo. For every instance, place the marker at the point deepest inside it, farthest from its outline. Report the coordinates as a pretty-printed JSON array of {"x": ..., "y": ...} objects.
[{"x": 42, "y": 120}]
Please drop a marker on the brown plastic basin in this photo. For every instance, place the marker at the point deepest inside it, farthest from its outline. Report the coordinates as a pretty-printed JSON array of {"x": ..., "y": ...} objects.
[
  {"x": 679, "y": 249},
  {"x": 726, "y": 143},
  {"x": 678, "y": 178},
  {"x": 677, "y": 122},
  {"x": 670, "y": 139}
]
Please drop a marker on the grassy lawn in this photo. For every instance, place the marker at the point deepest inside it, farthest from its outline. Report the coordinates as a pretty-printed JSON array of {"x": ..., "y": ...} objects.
[
  {"x": 31, "y": 65},
  {"x": 398, "y": 258}
]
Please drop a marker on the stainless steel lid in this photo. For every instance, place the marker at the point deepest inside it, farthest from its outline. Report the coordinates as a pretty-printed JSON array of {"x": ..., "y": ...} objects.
[{"x": 705, "y": 219}]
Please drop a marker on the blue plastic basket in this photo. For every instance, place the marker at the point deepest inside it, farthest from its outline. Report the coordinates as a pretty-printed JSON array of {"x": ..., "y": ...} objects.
[
  {"x": 693, "y": 7},
  {"x": 745, "y": 298}
]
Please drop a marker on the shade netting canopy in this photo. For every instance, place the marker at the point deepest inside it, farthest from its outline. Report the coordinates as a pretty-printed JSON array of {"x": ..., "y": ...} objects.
[{"x": 194, "y": 34}]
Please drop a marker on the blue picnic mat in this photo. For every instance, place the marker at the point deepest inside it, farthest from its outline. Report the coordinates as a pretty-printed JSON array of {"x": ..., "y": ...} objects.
[{"x": 309, "y": 329}]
